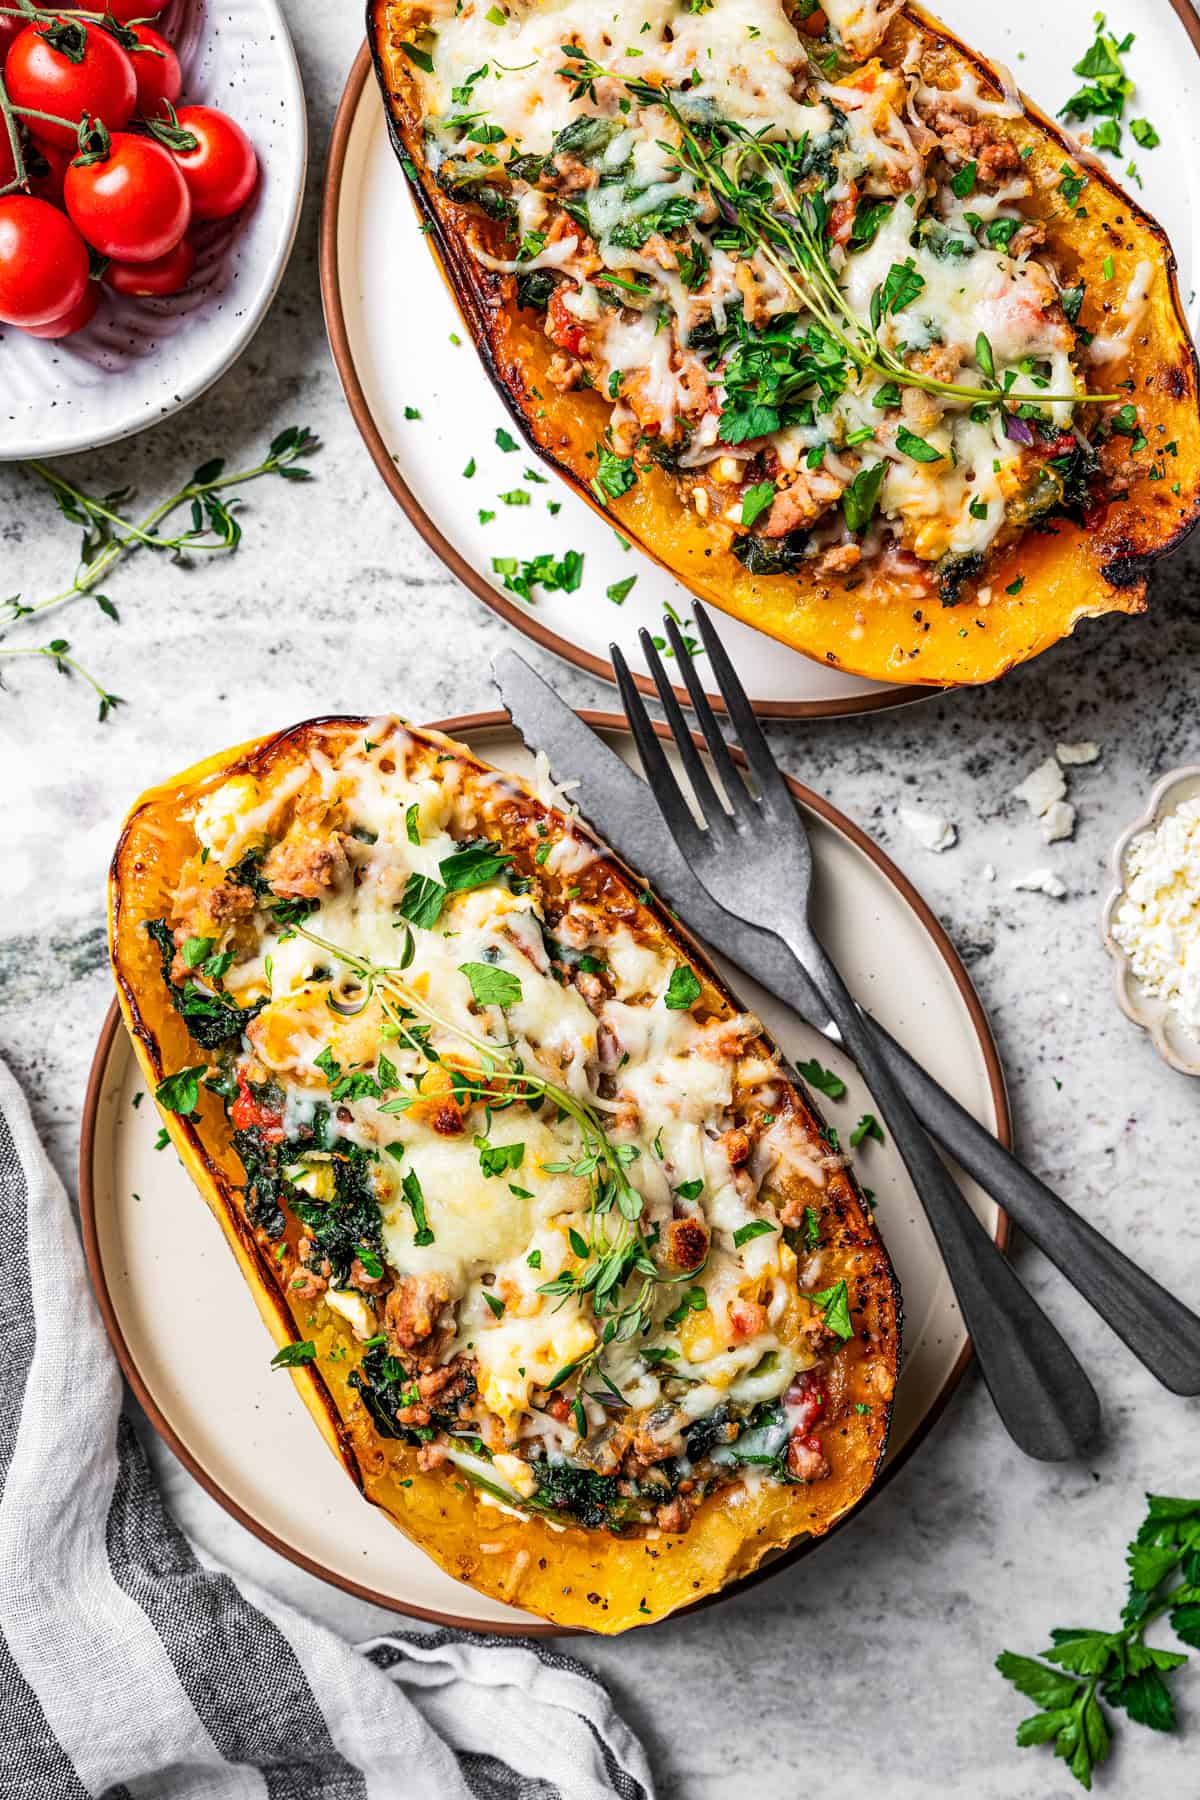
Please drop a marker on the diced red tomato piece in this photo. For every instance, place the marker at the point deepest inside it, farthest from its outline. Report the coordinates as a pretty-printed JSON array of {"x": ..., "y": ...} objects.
[
  {"x": 248, "y": 1111},
  {"x": 566, "y": 330}
]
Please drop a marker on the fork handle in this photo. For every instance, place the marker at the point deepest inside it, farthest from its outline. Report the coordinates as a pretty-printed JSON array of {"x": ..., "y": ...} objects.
[
  {"x": 1161, "y": 1332},
  {"x": 1047, "y": 1403}
]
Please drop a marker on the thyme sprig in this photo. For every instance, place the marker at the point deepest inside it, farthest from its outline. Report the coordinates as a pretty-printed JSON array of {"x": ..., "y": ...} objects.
[
  {"x": 754, "y": 182},
  {"x": 608, "y": 1258},
  {"x": 109, "y": 535}
]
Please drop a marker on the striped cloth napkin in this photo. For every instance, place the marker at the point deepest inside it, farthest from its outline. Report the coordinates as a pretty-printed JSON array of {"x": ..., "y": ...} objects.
[{"x": 128, "y": 1669}]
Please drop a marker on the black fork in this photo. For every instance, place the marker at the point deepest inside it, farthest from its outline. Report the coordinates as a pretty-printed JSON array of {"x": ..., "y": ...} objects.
[{"x": 752, "y": 856}]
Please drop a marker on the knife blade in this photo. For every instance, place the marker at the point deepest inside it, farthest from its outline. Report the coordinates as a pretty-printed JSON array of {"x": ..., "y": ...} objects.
[
  {"x": 623, "y": 811},
  {"x": 1161, "y": 1332}
]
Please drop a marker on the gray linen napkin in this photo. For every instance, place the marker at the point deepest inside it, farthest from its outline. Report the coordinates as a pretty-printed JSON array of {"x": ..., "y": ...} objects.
[{"x": 129, "y": 1669}]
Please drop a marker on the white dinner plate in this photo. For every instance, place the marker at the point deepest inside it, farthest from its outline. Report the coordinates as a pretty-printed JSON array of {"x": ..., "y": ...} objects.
[
  {"x": 393, "y": 324},
  {"x": 140, "y": 360},
  {"x": 197, "y": 1354}
]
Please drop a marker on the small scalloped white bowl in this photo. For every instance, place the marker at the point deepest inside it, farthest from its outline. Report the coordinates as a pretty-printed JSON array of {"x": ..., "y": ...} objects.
[
  {"x": 140, "y": 360},
  {"x": 1174, "y": 1042}
]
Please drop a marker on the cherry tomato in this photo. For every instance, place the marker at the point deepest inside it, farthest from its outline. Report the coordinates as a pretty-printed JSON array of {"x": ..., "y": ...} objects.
[
  {"x": 222, "y": 170},
  {"x": 165, "y": 275},
  {"x": 43, "y": 262},
  {"x": 81, "y": 314},
  {"x": 10, "y": 31},
  {"x": 46, "y": 165},
  {"x": 91, "y": 75},
  {"x": 133, "y": 204},
  {"x": 124, "y": 10},
  {"x": 159, "y": 76},
  {"x": 8, "y": 167}
]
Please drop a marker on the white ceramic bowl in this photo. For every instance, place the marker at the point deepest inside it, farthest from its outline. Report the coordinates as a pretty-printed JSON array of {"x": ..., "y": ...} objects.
[
  {"x": 1174, "y": 1043},
  {"x": 140, "y": 360}
]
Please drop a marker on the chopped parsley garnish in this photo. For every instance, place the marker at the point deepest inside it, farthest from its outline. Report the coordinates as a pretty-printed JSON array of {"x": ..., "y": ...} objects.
[
  {"x": 491, "y": 986},
  {"x": 756, "y": 500},
  {"x": 499, "y": 1159},
  {"x": 414, "y": 1199},
  {"x": 544, "y": 571},
  {"x": 862, "y": 496},
  {"x": 834, "y": 1303},
  {"x": 292, "y": 1356},
  {"x": 824, "y": 1080},
  {"x": 911, "y": 445},
  {"x": 180, "y": 1093},
  {"x": 421, "y": 902},
  {"x": 615, "y": 475},
  {"x": 683, "y": 989},
  {"x": 755, "y": 1228},
  {"x": 868, "y": 1127}
]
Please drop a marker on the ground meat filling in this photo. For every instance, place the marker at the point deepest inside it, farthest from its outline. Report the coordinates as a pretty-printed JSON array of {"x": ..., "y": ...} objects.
[{"x": 821, "y": 421}]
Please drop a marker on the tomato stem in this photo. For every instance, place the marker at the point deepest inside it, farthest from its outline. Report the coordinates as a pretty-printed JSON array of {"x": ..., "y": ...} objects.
[{"x": 8, "y": 112}]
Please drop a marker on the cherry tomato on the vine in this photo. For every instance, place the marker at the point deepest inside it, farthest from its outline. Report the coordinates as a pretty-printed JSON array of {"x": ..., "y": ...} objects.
[
  {"x": 10, "y": 31},
  {"x": 222, "y": 170},
  {"x": 43, "y": 262},
  {"x": 165, "y": 275},
  {"x": 81, "y": 314},
  {"x": 156, "y": 67},
  {"x": 8, "y": 167},
  {"x": 46, "y": 166},
  {"x": 68, "y": 69},
  {"x": 132, "y": 203}
]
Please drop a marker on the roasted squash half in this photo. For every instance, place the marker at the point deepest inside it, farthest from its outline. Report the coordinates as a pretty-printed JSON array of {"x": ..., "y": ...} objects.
[
  {"x": 833, "y": 324},
  {"x": 562, "y": 1259}
]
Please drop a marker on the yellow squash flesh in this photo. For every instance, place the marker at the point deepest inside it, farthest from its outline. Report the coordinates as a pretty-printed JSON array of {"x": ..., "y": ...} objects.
[
  {"x": 576, "y": 1578},
  {"x": 873, "y": 629}
]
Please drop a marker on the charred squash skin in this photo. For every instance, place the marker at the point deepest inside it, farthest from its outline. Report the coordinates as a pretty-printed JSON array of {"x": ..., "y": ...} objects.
[
  {"x": 574, "y": 1577},
  {"x": 873, "y": 627}
]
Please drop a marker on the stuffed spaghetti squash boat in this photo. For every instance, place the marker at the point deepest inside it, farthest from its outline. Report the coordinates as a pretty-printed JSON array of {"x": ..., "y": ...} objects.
[
  {"x": 566, "y": 1267},
  {"x": 836, "y": 326}
]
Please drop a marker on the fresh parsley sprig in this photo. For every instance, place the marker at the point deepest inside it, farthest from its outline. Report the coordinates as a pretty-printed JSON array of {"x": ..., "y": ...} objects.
[
  {"x": 109, "y": 535},
  {"x": 1084, "y": 1667}
]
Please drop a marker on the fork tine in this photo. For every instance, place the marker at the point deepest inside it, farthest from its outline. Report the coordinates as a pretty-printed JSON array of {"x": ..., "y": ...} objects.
[
  {"x": 771, "y": 784},
  {"x": 658, "y": 770},
  {"x": 732, "y": 779},
  {"x": 706, "y": 795}
]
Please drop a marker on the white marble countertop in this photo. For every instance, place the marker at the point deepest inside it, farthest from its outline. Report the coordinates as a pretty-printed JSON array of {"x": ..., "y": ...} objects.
[{"x": 869, "y": 1666}]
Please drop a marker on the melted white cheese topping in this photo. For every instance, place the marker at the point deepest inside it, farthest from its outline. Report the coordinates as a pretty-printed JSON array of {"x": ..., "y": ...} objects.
[{"x": 673, "y": 1084}]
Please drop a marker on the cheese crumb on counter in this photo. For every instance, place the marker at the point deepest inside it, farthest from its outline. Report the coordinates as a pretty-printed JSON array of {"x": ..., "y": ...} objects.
[
  {"x": 1042, "y": 787},
  {"x": 1157, "y": 923},
  {"x": 931, "y": 831},
  {"x": 1058, "y": 822},
  {"x": 1041, "y": 881},
  {"x": 1076, "y": 755}
]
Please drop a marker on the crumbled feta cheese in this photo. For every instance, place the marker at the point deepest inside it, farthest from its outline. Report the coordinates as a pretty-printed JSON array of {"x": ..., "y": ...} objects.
[
  {"x": 1042, "y": 787},
  {"x": 1075, "y": 754},
  {"x": 988, "y": 872},
  {"x": 1041, "y": 881},
  {"x": 1157, "y": 923},
  {"x": 1058, "y": 821},
  {"x": 931, "y": 831}
]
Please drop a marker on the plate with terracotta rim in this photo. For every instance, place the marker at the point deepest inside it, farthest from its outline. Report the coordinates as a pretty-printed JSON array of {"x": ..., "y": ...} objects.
[
  {"x": 400, "y": 347},
  {"x": 190, "y": 1340}
]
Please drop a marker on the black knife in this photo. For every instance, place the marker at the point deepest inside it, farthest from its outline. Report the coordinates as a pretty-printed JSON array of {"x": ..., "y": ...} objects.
[{"x": 1162, "y": 1332}]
